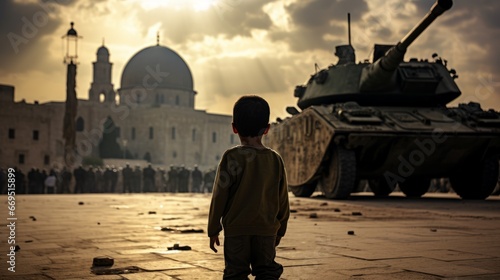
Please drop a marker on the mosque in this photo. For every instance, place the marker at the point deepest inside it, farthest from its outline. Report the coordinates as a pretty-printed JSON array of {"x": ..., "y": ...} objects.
[{"x": 150, "y": 117}]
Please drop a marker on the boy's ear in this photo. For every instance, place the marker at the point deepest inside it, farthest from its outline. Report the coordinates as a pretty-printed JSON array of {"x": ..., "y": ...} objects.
[
  {"x": 267, "y": 129},
  {"x": 234, "y": 128}
]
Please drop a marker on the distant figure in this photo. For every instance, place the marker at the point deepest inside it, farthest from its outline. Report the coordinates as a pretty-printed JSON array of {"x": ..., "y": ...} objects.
[
  {"x": 127, "y": 174},
  {"x": 183, "y": 180},
  {"x": 172, "y": 179},
  {"x": 114, "y": 179},
  {"x": 66, "y": 180},
  {"x": 250, "y": 198},
  {"x": 108, "y": 174},
  {"x": 3, "y": 181},
  {"x": 89, "y": 181},
  {"x": 50, "y": 182},
  {"x": 41, "y": 181},
  {"x": 100, "y": 185},
  {"x": 136, "y": 179},
  {"x": 20, "y": 181},
  {"x": 79, "y": 174},
  {"x": 148, "y": 176},
  {"x": 208, "y": 180},
  {"x": 32, "y": 181},
  {"x": 196, "y": 179}
]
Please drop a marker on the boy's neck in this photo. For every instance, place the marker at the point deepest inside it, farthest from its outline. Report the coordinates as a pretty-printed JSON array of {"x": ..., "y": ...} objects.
[{"x": 255, "y": 142}]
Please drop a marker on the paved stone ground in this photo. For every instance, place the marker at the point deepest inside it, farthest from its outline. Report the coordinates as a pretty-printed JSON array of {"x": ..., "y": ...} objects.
[{"x": 436, "y": 237}]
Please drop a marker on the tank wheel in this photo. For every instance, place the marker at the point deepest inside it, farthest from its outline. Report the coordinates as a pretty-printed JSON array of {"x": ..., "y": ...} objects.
[
  {"x": 304, "y": 190},
  {"x": 380, "y": 187},
  {"x": 339, "y": 180},
  {"x": 415, "y": 186},
  {"x": 476, "y": 182}
]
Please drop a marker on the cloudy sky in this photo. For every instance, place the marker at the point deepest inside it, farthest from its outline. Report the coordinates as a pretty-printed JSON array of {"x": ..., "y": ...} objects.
[{"x": 237, "y": 47}]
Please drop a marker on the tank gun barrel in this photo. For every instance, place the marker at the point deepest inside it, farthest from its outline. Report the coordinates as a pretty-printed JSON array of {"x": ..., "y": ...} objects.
[{"x": 376, "y": 75}]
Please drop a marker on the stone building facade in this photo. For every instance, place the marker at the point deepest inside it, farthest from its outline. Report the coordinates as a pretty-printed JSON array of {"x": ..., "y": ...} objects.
[{"x": 153, "y": 111}]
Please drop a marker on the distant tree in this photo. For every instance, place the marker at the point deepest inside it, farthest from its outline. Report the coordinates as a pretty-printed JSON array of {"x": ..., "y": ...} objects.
[
  {"x": 92, "y": 161},
  {"x": 108, "y": 147}
]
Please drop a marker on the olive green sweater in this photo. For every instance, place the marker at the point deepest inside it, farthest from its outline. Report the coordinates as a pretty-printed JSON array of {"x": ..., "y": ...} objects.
[{"x": 250, "y": 194}]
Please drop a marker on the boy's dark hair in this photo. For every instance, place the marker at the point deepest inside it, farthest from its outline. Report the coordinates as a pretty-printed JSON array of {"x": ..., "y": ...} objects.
[{"x": 251, "y": 115}]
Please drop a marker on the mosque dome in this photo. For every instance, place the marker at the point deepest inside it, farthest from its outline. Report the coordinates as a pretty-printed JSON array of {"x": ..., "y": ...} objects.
[
  {"x": 159, "y": 67},
  {"x": 103, "y": 51}
]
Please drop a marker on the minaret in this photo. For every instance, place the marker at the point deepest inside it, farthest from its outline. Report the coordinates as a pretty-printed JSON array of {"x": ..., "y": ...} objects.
[{"x": 101, "y": 88}]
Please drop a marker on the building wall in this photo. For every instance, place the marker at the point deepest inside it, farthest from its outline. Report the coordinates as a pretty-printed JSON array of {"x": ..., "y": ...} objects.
[{"x": 24, "y": 149}]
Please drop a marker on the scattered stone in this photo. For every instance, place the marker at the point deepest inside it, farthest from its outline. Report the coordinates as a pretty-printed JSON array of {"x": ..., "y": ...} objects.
[
  {"x": 33, "y": 218},
  {"x": 434, "y": 230},
  {"x": 180, "y": 248},
  {"x": 293, "y": 211},
  {"x": 28, "y": 241},
  {"x": 17, "y": 248},
  {"x": 336, "y": 210},
  {"x": 169, "y": 219},
  {"x": 98, "y": 223},
  {"x": 152, "y": 212},
  {"x": 116, "y": 271},
  {"x": 192, "y": 230},
  {"x": 313, "y": 215},
  {"x": 351, "y": 232},
  {"x": 81, "y": 203},
  {"x": 315, "y": 224},
  {"x": 177, "y": 230},
  {"x": 357, "y": 214},
  {"x": 103, "y": 261},
  {"x": 324, "y": 204}
]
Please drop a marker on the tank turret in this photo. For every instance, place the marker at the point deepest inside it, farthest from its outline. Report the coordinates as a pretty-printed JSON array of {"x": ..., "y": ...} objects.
[
  {"x": 387, "y": 81},
  {"x": 377, "y": 75},
  {"x": 386, "y": 124}
]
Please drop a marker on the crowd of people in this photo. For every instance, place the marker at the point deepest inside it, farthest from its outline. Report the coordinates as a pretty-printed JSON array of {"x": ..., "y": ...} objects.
[{"x": 110, "y": 179}]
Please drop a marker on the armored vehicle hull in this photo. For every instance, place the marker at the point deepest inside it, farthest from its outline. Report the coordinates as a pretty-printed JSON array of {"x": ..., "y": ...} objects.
[
  {"x": 334, "y": 146},
  {"x": 387, "y": 122}
]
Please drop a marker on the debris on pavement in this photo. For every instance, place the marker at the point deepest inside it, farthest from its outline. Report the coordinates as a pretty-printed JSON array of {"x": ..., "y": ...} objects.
[
  {"x": 115, "y": 271},
  {"x": 182, "y": 230},
  {"x": 180, "y": 248},
  {"x": 103, "y": 261}
]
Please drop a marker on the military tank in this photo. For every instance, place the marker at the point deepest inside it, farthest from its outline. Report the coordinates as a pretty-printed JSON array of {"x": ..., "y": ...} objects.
[{"x": 387, "y": 123}]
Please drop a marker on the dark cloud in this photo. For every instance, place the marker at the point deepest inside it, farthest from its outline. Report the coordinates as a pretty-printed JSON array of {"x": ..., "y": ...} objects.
[
  {"x": 313, "y": 20},
  {"x": 24, "y": 28}
]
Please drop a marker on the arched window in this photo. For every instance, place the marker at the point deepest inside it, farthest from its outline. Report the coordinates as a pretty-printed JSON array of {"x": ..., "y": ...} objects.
[
  {"x": 102, "y": 97},
  {"x": 80, "y": 124}
]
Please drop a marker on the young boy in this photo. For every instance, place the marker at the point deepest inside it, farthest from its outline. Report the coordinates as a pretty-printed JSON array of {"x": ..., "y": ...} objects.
[{"x": 250, "y": 195}]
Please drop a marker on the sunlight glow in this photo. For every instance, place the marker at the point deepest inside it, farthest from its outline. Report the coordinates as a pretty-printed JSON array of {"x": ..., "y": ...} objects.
[{"x": 197, "y": 5}]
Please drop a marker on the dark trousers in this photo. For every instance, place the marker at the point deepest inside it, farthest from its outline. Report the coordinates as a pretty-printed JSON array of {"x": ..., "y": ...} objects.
[{"x": 241, "y": 252}]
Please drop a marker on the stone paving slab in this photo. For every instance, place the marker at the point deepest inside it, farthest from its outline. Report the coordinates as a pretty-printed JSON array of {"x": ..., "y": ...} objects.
[{"x": 436, "y": 237}]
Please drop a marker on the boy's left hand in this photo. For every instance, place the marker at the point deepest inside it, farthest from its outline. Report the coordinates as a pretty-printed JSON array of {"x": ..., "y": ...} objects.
[{"x": 214, "y": 240}]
